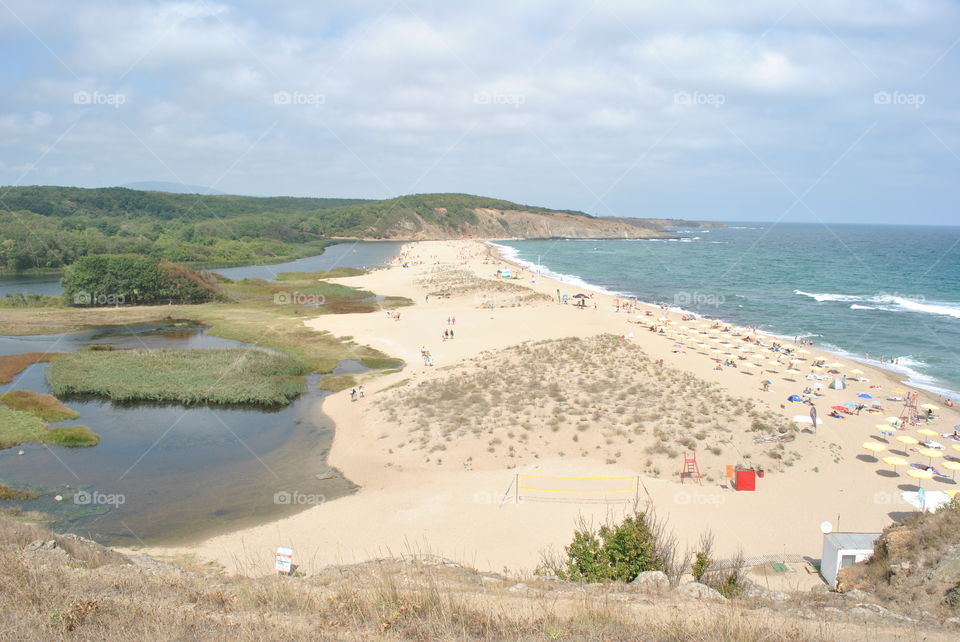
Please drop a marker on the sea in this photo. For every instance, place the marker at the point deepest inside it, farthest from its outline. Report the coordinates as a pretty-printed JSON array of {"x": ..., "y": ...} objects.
[{"x": 854, "y": 290}]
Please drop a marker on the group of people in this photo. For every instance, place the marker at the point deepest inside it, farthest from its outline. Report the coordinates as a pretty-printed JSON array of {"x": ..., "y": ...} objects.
[{"x": 357, "y": 393}]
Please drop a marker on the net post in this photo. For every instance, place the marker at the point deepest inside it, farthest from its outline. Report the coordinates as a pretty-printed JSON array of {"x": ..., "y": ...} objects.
[
  {"x": 636, "y": 490},
  {"x": 516, "y": 488}
]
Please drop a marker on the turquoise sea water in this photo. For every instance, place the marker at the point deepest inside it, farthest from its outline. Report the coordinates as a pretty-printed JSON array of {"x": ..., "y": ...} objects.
[{"x": 852, "y": 289}]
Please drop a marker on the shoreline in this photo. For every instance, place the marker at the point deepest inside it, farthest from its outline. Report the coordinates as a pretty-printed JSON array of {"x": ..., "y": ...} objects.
[
  {"x": 505, "y": 254},
  {"x": 427, "y": 507}
]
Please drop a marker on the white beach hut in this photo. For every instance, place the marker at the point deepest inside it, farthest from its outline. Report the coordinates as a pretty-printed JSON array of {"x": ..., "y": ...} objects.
[{"x": 841, "y": 550}]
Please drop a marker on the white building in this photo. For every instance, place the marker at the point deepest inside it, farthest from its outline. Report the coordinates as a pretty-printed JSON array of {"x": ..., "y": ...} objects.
[{"x": 841, "y": 550}]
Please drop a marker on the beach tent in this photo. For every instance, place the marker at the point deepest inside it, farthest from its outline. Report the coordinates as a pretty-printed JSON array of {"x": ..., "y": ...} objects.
[
  {"x": 838, "y": 384},
  {"x": 794, "y": 398}
]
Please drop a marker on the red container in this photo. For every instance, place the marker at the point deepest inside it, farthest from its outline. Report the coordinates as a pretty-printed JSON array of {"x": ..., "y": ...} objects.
[
  {"x": 746, "y": 480},
  {"x": 760, "y": 474}
]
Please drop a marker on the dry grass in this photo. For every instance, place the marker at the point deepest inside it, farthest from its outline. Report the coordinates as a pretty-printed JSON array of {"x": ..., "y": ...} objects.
[
  {"x": 79, "y": 590},
  {"x": 13, "y": 364},
  {"x": 915, "y": 565},
  {"x": 46, "y": 407},
  {"x": 601, "y": 397}
]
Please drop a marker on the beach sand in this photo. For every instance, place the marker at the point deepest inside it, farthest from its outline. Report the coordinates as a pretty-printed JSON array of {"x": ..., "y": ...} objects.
[{"x": 430, "y": 483}]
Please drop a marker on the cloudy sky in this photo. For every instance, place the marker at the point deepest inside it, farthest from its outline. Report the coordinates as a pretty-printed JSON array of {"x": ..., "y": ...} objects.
[{"x": 798, "y": 111}]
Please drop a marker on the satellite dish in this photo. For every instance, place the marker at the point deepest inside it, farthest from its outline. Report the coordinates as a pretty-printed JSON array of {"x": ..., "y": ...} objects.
[{"x": 826, "y": 527}]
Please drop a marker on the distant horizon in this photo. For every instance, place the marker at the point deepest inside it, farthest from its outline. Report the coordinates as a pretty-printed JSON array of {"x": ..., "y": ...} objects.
[
  {"x": 551, "y": 206},
  {"x": 806, "y": 112}
]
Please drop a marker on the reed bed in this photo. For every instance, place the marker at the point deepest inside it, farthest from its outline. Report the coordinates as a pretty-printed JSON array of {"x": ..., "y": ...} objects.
[{"x": 216, "y": 376}]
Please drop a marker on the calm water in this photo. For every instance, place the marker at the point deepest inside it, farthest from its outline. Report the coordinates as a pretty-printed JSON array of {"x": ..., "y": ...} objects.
[
  {"x": 852, "y": 289},
  {"x": 182, "y": 472},
  {"x": 355, "y": 255}
]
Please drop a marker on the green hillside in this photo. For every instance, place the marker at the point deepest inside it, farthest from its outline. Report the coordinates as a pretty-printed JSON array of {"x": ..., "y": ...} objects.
[{"x": 44, "y": 227}]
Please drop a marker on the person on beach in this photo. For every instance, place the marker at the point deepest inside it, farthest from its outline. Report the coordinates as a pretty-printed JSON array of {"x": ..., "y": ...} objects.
[
  {"x": 353, "y": 395},
  {"x": 361, "y": 391},
  {"x": 451, "y": 333}
]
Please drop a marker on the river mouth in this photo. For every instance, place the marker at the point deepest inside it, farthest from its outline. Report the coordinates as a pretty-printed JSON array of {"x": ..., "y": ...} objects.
[{"x": 166, "y": 473}]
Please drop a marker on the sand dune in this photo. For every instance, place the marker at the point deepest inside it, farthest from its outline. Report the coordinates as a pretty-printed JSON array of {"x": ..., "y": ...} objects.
[{"x": 436, "y": 449}]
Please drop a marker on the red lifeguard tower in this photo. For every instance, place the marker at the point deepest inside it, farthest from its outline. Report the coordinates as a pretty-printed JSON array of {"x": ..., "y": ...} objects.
[{"x": 690, "y": 468}]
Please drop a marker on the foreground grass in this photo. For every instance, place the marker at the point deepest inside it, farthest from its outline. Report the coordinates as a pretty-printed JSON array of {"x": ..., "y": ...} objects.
[
  {"x": 221, "y": 376},
  {"x": 85, "y": 591},
  {"x": 18, "y": 427},
  {"x": 46, "y": 407}
]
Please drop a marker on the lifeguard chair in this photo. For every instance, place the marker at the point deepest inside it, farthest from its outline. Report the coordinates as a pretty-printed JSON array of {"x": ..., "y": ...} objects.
[{"x": 690, "y": 468}]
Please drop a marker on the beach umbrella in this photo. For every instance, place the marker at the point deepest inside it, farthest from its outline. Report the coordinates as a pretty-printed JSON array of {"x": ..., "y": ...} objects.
[
  {"x": 874, "y": 446},
  {"x": 864, "y": 395},
  {"x": 952, "y": 492},
  {"x": 907, "y": 439},
  {"x": 894, "y": 461},
  {"x": 929, "y": 406},
  {"x": 748, "y": 364},
  {"x": 792, "y": 370},
  {"x": 837, "y": 365},
  {"x": 955, "y": 446},
  {"x": 893, "y": 420},
  {"x": 816, "y": 369},
  {"x": 917, "y": 473},
  {"x": 899, "y": 390},
  {"x": 803, "y": 351},
  {"x": 930, "y": 453},
  {"x": 953, "y": 467},
  {"x": 926, "y": 432},
  {"x": 856, "y": 371},
  {"x": 885, "y": 429}
]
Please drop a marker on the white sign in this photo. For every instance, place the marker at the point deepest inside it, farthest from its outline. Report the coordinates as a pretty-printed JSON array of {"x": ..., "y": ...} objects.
[{"x": 284, "y": 559}]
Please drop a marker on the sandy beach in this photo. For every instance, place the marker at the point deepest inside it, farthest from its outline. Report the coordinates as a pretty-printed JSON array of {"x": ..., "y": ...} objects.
[{"x": 529, "y": 386}]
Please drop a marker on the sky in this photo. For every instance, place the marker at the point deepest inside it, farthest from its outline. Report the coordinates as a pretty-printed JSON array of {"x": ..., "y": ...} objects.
[{"x": 804, "y": 111}]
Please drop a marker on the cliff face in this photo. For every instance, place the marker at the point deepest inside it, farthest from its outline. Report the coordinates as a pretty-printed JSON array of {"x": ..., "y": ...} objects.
[{"x": 497, "y": 223}]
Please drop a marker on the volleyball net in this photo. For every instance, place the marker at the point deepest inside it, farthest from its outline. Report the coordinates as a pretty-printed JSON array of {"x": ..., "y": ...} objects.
[{"x": 608, "y": 490}]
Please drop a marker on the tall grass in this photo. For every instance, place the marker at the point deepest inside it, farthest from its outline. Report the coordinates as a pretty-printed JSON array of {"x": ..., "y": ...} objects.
[{"x": 217, "y": 376}]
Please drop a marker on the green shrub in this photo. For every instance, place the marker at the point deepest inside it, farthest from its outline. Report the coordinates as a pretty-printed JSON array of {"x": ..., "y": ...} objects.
[{"x": 613, "y": 553}]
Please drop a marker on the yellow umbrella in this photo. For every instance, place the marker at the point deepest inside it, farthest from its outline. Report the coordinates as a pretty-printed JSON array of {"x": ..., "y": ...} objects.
[
  {"x": 856, "y": 371},
  {"x": 955, "y": 446},
  {"x": 928, "y": 433},
  {"x": 893, "y": 420},
  {"x": 803, "y": 351},
  {"x": 952, "y": 492},
  {"x": 886, "y": 429},
  {"x": 952, "y": 466},
  {"x": 816, "y": 369},
  {"x": 837, "y": 365},
  {"x": 907, "y": 439},
  {"x": 916, "y": 473},
  {"x": 929, "y": 406},
  {"x": 894, "y": 461},
  {"x": 898, "y": 390},
  {"x": 874, "y": 446},
  {"x": 930, "y": 452}
]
